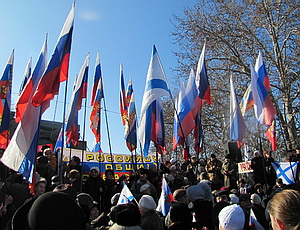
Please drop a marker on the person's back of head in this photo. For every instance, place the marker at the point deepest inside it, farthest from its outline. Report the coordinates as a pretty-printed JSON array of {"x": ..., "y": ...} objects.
[
  {"x": 232, "y": 217},
  {"x": 284, "y": 210}
]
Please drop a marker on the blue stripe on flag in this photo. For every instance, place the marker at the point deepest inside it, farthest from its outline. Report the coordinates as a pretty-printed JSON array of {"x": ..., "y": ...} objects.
[{"x": 156, "y": 84}]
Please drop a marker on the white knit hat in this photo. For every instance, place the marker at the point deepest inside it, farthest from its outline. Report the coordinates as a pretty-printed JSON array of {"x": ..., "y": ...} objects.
[
  {"x": 147, "y": 203},
  {"x": 232, "y": 217}
]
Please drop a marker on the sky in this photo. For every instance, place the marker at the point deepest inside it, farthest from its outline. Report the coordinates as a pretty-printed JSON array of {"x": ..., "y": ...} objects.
[{"x": 123, "y": 31}]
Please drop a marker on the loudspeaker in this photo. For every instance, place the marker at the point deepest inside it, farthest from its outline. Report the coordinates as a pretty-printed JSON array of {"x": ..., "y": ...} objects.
[
  {"x": 232, "y": 149},
  {"x": 81, "y": 145}
]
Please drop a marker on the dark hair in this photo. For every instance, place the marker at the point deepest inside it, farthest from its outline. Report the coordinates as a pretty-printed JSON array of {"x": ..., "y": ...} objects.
[
  {"x": 76, "y": 159},
  {"x": 109, "y": 171}
]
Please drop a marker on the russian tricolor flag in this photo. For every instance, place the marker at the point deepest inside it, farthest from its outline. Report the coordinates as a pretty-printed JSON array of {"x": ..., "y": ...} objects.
[
  {"x": 202, "y": 82},
  {"x": 79, "y": 92},
  {"x": 95, "y": 116},
  {"x": 57, "y": 69},
  {"x": 21, "y": 151},
  {"x": 263, "y": 106},
  {"x": 165, "y": 198}
]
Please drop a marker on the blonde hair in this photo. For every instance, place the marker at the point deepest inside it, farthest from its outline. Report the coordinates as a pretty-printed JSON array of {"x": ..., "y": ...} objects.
[{"x": 285, "y": 207}]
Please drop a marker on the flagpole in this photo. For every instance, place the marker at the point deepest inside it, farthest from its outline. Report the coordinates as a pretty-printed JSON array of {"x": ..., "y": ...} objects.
[
  {"x": 54, "y": 116},
  {"x": 83, "y": 142},
  {"x": 108, "y": 136},
  {"x": 262, "y": 155},
  {"x": 63, "y": 135}
]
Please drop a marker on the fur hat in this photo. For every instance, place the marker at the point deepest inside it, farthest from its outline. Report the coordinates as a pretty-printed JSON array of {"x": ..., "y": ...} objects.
[
  {"x": 127, "y": 214},
  {"x": 234, "y": 199},
  {"x": 95, "y": 168},
  {"x": 147, "y": 203},
  {"x": 52, "y": 210},
  {"x": 144, "y": 187},
  {"x": 232, "y": 217},
  {"x": 179, "y": 193},
  {"x": 85, "y": 199},
  {"x": 173, "y": 161},
  {"x": 114, "y": 200},
  {"x": 255, "y": 199}
]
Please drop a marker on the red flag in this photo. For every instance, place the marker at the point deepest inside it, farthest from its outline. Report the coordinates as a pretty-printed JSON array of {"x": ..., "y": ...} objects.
[
  {"x": 57, "y": 69},
  {"x": 5, "y": 101},
  {"x": 271, "y": 134}
]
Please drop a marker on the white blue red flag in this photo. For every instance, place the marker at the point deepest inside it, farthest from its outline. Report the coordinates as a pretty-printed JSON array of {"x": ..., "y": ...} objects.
[
  {"x": 29, "y": 89},
  {"x": 79, "y": 92},
  {"x": 21, "y": 152},
  {"x": 247, "y": 102},
  {"x": 125, "y": 196},
  {"x": 130, "y": 126},
  {"x": 202, "y": 82},
  {"x": 95, "y": 116},
  {"x": 58, "y": 66},
  {"x": 253, "y": 222},
  {"x": 123, "y": 102},
  {"x": 165, "y": 198},
  {"x": 27, "y": 75},
  {"x": 263, "y": 106},
  {"x": 5, "y": 101},
  {"x": 237, "y": 123},
  {"x": 287, "y": 171},
  {"x": 156, "y": 87},
  {"x": 97, "y": 76},
  {"x": 186, "y": 106}
]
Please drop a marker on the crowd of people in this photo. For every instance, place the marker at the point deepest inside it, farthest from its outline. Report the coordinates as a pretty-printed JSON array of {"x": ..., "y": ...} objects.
[{"x": 208, "y": 194}]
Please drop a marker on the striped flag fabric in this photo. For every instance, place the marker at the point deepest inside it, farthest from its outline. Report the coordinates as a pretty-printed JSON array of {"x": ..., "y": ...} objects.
[
  {"x": 21, "y": 152},
  {"x": 165, "y": 198},
  {"x": 123, "y": 101},
  {"x": 58, "y": 66},
  {"x": 79, "y": 92},
  {"x": 5, "y": 101},
  {"x": 97, "y": 76},
  {"x": 27, "y": 75},
  {"x": 130, "y": 126},
  {"x": 253, "y": 222},
  {"x": 237, "y": 123},
  {"x": 263, "y": 106},
  {"x": 95, "y": 116},
  {"x": 156, "y": 87},
  {"x": 202, "y": 82},
  {"x": 25, "y": 96}
]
